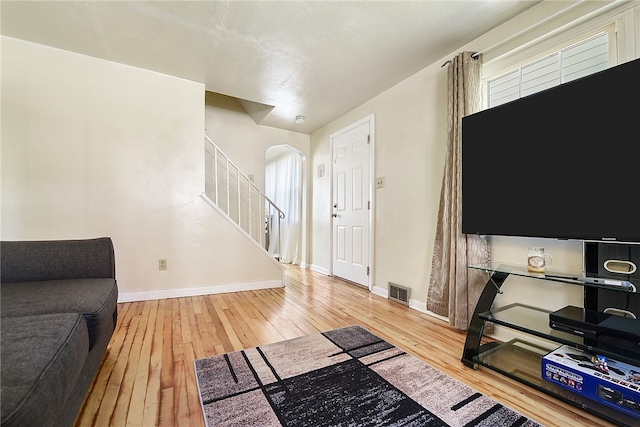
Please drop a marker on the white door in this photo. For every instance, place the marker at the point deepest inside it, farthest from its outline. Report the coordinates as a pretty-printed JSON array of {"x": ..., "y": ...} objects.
[{"x": 351, "y": 202}]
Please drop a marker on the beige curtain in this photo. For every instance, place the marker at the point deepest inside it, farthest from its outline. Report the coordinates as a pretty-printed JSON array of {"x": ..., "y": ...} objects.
[{"x": 454, "y": 289}]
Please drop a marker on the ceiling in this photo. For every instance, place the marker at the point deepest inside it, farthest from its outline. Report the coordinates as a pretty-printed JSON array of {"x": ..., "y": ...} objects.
[{"x": 281, "y": 59}]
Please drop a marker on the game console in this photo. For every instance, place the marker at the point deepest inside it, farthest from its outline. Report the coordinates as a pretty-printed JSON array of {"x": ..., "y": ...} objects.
[
  {"x": 577, "y": 321},
  {"x": 603, "y": 330}
]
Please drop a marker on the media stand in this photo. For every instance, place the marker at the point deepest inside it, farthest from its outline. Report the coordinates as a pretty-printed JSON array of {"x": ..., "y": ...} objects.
[{"x": 521, "y": 358}]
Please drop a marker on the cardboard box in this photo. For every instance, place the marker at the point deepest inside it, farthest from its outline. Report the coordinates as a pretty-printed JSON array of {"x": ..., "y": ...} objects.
[{"x": 604, "y": 380}]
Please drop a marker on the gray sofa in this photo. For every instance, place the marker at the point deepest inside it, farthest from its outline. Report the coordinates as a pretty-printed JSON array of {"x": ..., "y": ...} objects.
[{"x": 58, "y": 309}]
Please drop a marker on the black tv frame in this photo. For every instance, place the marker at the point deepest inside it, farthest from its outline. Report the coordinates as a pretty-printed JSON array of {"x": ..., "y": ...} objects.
[{"x": 563, "y": 163}]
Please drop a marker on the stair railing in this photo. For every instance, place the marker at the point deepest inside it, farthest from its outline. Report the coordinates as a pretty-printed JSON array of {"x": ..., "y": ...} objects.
[{"x": 235, "y": 195}]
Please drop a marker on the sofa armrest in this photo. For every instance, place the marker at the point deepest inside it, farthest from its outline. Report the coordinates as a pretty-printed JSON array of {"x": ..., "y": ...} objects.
[{"x": 24, "y": 261}]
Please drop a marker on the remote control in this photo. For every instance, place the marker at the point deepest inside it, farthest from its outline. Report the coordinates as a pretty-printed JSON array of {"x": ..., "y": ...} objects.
[{"x": 609, "y": 282}]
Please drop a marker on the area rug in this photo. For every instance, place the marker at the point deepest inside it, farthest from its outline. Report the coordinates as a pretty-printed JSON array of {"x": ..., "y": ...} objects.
[{"x": 344, "y": 377}]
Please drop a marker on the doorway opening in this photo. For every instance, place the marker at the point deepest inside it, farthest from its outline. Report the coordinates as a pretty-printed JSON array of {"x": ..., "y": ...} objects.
[{"x": 284, "y": 186}]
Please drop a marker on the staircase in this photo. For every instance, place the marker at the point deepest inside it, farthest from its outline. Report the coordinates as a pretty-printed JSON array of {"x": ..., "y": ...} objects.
[{"x": 229, "y": 191}]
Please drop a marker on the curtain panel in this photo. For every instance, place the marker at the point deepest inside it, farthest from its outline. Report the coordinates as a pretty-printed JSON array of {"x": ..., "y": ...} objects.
[
  {"x": 453, "y": 288},
  {"x": 283, "y": 185}
]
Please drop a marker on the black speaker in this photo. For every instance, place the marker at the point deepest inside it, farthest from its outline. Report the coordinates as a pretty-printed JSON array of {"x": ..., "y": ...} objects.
[
  {"x": 614, "y": 261},
  {"x": 619, "y": 261}
]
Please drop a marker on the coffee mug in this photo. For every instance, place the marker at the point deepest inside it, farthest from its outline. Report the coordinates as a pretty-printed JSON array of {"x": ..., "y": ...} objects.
[{"x": 538, "y": 261}]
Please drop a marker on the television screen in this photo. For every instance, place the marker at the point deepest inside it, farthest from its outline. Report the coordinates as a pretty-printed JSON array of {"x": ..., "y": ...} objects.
[{"x": 562, "y": 163}]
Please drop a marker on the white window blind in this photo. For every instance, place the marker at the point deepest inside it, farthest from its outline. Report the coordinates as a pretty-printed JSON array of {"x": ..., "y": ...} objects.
[
  {"x": 579, "y": 60},
  {"x": 586, "y": 58}
]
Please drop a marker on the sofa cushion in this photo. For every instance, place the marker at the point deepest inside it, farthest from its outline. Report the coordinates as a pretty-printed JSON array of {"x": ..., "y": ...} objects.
[
  {"x": 96, "y": 299},
  {"x": 42, "y": 357},
  {"x": 27, "y": 261}
]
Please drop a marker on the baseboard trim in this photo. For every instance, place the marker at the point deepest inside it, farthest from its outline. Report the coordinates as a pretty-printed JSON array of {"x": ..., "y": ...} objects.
[
  {"x": 414, "y": 304},
  {"x": 432, "y": 314},
  {"x": 202, "y": 290},
  {"x": 320, "y": 270},
  {"x": 381, "y": 292},
  {"x": 252, "y": 286}
]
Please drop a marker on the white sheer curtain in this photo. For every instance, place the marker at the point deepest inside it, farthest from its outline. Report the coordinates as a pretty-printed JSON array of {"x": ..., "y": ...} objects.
[{"x": 283, "y": 185}]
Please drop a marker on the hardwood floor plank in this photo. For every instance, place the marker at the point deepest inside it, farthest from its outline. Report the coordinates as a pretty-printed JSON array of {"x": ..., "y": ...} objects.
[
  {"x": 181, "y": 394},
  {"x": 147, "y": 376},
  {"x": 268, "y": 333},
  {"x": 151, "y": 411},
  {"x": 217, "y": 329},
  {"x": 143, "y": 381},
  {"x": 193, "y": 400},
  {"x": 238, "y": 318},
  {"x": 112, "y": 399},
  {"x": 178, "y": 343},
  {"x": 167, "y": 418}
]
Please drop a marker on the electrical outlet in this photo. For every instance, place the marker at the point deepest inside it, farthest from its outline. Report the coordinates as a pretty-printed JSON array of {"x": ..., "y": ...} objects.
[
  {"x": 162, "y": 264},
  {"x": 380, "y": 182}
]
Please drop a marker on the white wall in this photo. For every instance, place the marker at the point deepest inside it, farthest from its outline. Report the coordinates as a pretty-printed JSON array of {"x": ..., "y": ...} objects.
[
  {"x": 410, "y": 146},
  {"x": 95, "y": 148}
]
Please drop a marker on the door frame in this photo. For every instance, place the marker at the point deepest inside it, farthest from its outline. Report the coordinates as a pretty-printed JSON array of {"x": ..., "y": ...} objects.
[{"x": 371, "y": 222}]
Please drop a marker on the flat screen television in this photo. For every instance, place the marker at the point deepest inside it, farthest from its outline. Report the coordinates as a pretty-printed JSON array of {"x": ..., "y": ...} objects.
[{"x": 563, "y": 163}]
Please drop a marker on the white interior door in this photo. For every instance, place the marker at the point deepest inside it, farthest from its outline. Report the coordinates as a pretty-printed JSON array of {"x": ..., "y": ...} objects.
[{"x": 351, "y": 202}]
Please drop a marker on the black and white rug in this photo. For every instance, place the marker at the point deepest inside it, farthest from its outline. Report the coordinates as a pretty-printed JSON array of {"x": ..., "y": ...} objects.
[{"x": 344, "y": 377}]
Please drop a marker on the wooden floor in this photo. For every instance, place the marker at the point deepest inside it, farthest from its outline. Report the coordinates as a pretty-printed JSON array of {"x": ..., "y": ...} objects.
[{"x": 147, "y": 376}]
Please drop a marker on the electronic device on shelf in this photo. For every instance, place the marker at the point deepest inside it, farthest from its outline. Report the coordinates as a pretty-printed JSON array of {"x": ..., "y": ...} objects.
[
  {"x": 609, "y": 331},
  {"x": 624, "y": 284},
  {"x": 577, "y": 321}
]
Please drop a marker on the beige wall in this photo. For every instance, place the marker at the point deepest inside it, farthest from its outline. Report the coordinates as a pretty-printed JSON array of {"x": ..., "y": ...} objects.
[
  {"x": 246, "y": 144},
  {"x": 408, "y": 125},
  {"x": 94, "y": 148},
  {"x": 410, "y": 144}
]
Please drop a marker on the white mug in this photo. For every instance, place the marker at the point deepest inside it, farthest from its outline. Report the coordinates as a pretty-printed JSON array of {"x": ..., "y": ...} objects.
[{"x": 538, "y": 261}]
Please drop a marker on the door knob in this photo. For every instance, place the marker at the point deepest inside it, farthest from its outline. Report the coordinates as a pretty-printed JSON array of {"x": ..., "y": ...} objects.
[{"x": 334, "y": 215}]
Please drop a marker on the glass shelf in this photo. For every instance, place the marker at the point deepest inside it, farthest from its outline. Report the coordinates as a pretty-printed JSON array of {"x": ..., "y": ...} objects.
[
  {"x": 561, "y": 276},
  {"x": 532, "y": 320},
  {"x": 522, "y": 361},
  {"x": 535, "y": 321}
]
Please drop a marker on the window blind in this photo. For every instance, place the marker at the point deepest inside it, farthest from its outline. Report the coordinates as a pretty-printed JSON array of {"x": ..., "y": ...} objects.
[{"x": 578, "y": 60}]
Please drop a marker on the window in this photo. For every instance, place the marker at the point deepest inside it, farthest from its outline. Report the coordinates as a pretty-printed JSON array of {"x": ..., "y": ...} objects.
[{"x": 578, "y": 60}]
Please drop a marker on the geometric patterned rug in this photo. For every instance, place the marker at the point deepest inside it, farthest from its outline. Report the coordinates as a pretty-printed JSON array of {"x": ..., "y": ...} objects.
[{"x": 344, "y": 377}]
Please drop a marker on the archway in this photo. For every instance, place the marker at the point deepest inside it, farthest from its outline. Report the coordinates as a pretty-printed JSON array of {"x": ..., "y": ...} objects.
[{"x": 284, "y": 186}]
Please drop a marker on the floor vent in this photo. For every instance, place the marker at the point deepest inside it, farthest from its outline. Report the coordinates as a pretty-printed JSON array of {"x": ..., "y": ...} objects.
[{"x": 399, "y": 293}]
